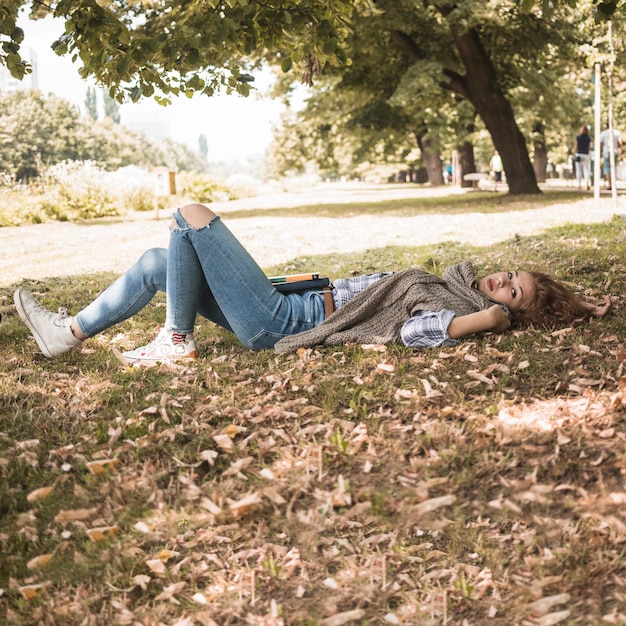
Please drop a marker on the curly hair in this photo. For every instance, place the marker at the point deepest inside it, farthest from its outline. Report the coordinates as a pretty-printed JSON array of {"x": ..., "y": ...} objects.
[{"x": 553, "y": 304}]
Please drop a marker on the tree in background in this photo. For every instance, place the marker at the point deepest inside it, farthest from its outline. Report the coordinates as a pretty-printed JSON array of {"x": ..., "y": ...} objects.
[
  {"x": 480, "y": 52},
  {"x": 91, "y": 103},
  {"x": 478, "y": 73},
  {"x": 203, "y": 146},
  {"x": 38, "y": 131},
  {"x": 111, "y": 107}
]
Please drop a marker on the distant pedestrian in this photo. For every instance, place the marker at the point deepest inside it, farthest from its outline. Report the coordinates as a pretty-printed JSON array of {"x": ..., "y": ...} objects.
[
  {"x": 495, "y": 165},
  {"x": 582, "y": 159},
  {"x": 606, "y": 145}
]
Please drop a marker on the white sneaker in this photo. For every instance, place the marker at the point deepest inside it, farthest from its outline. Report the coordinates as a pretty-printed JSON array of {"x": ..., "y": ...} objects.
[
  {"x": 168, "y": 346},
  {"x": 51, "y": 331}
]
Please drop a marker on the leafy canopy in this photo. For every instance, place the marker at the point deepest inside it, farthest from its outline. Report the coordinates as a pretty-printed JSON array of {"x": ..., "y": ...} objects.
[
  {"x": 603, "y": 9},
  {"x": 147, "y": 48}
]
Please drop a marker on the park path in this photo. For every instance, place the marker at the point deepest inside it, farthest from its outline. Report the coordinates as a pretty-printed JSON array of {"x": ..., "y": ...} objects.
[{"x": 63, "y": 249}]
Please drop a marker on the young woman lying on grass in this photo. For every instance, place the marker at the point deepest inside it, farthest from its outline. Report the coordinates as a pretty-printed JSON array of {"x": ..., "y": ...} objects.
[{"x": 207, "y": 271}]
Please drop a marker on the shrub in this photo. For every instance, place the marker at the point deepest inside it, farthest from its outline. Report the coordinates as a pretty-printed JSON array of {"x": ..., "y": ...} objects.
[{"x": 200, "y": 188}]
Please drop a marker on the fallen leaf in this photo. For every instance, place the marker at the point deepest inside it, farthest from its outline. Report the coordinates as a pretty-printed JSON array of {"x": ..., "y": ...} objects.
[
  {"x": 543, "y": 605},
  {"x": 65, "y": 517},
  {"x": 434, "y": 503},
  {"x": 101, "y": 532},
  {"x": 224, "y": 441},
  {"x": 141, "y": 580},
  {"x": 39, "y": 494},
  {"x": 157, "y": 566},
  {"x": 99, "y": 467},
  {"x": 343, "y": 618},
  {"x": 241, "y": 506},
  {"x": 30, "y": 592},
  {"x": 38, "y": 561},
  {"x": 553, "y": 618}
]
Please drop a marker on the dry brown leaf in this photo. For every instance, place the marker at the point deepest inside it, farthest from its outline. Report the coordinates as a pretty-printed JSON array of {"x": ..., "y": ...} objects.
[
  {"x": 100, "y": 533},
  {"x": 430, "y": 392},
  {"x": 65, "y": 517},
  {"x": 39, "y": 561},
  {"x": 237, "y": 466},
  {"x": 433, "y": 504},
  {"x": 210, "y": 506},
  {"x": 480, "y": 376},
  {"x": 553, "y": 618},
  {"x": 101, "y": 466},
  {"x": 31, "y": 592},
  {"x": 224, "y": 441},
  {"x": 171, "y": 590},
  {"x": 343, "y": 618},
  {"x": 157, "y": 566},
  {"x": 562, "y": 331},
  {"x": 39, "y": 494},
  {"x": 543, "y": 605},
  {"x": 27, "y": 444},
  {"x": 141, "y": 580},
  {"x": 241, "y": 506},
  {"x": 209, "y": 456},
  {"x": 386, "y": 367},
  {"x": 374, "y": 347},
  {"x": 200, "y": 598}
]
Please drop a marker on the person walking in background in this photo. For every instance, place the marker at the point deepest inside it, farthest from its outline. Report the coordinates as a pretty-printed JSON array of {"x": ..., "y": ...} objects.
[
  {"x": 582, "y": 160},
  {"x": 606, "y": 145},
  {"x": 495, "y": 165}
]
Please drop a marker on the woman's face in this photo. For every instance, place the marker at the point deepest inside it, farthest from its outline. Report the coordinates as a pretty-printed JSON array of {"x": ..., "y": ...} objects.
[{"x": 515, "y": 289}]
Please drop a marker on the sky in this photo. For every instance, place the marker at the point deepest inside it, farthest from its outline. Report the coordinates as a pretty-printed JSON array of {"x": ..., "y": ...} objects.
[{"x": 236, "y": 127}]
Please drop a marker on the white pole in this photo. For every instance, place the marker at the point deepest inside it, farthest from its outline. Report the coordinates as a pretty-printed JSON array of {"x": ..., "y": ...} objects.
[
  {"x": 596, "y": 135},
  {"x": 611, "y": 138}
]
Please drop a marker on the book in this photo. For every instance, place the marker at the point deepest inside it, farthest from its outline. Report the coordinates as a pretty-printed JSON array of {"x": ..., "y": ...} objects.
[
  {"x": 302, "y": 285},
  {"x": 293, "y": 278}
]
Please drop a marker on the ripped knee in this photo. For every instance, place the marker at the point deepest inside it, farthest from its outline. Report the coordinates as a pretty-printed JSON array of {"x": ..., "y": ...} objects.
[{"x": 197, "y": 215}]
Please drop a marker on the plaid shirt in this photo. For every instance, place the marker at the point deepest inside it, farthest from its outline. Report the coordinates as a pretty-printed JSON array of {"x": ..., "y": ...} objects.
[{"x": 425, "y": 329}]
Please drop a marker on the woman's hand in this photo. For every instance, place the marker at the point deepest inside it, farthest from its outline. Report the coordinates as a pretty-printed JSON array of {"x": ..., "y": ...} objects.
[
  {"x": 599, "y": 310},
  {"x": 501, "y": 321}
]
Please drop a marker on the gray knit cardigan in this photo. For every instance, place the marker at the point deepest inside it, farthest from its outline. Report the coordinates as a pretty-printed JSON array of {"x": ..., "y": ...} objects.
[{"x": 377, "y": 314}]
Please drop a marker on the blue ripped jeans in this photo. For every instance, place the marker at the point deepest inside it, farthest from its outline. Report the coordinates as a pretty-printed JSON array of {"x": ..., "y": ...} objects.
[{"x": 206, "y": 271}]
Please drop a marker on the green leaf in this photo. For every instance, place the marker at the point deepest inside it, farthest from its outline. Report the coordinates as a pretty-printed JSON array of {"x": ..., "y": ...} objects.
[
  {"x": 17, "y": 35},
  {"x": 286, "y": 64},
  {"x": 324, "y": 28},
  {"x": 330, "y": 46}
]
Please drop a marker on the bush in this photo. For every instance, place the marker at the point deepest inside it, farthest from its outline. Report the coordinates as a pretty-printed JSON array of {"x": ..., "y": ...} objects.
[
  {"x": 201, "y": 188},
  {"x": 75, "y": 190}
]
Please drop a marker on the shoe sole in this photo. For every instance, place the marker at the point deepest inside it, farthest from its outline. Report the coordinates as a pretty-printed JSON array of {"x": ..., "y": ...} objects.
[
  {"x": 24, "y": 317},
  {"x": 151, "y": 362}
]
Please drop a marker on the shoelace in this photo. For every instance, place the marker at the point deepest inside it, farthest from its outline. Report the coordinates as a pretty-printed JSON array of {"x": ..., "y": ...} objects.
[
  {"x": 178, "y": 338},
  {"x": 51, "y": 316}
]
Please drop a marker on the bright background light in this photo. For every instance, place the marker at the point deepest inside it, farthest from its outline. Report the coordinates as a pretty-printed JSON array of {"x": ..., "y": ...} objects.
[{"x": 236, "y": 128}]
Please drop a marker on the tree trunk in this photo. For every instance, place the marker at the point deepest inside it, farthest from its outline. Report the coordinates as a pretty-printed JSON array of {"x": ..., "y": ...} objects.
[
  {"x": 480, "y": 86},
  {"x": 540, "y": 160},
  {"x": 432, "y": 160},
  {"x": 467, "y": 164}
]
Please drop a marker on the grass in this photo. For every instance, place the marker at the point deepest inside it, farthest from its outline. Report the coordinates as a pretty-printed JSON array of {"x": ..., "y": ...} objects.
[
  {"x": 478, "y": 484},
  {"x": 476, "y": 202}
]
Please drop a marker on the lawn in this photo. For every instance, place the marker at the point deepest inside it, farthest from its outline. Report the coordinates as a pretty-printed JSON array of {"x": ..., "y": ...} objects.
[{"x": 478, "y": 484}]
